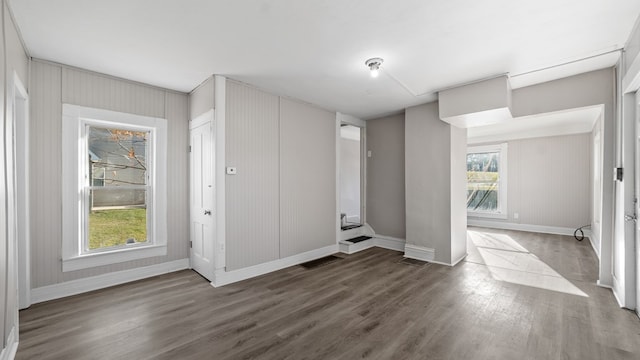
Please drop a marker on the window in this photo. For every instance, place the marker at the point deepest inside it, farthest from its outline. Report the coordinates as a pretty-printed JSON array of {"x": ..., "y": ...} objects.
[
  {"x": 487, "y": 181},
  {"x": 114, "y": 191}
]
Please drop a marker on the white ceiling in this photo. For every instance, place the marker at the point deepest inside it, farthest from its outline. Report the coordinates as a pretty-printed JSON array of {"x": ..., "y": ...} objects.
[
  {"x": 564, "y": 122},
  {"x": 315, "y": 50}
]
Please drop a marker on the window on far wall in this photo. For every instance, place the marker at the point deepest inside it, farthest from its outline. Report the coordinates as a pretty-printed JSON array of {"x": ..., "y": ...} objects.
[
  {"x": 487, "y": 181},
  {"x": 114, "y": 190}
]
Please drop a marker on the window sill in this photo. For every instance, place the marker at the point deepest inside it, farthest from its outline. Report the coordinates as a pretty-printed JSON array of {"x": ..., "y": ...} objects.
[
  {"x": 487, "y": 215},
  {"x": 112, "y": 257}
]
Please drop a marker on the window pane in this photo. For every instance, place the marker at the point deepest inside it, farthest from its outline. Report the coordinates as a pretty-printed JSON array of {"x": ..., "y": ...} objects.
[
  {"x": 483, "y": 181},
  {"x": 118, "y": 225},
  {"x": 118, "y": 157},
  {"x": 118, "y": 197}
]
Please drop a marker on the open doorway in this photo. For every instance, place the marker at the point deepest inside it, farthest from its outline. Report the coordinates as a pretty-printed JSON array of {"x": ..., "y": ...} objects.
[{"x": 351, "y": 182}]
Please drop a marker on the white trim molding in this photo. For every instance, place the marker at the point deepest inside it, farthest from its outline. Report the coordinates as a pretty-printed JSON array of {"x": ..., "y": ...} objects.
[
  {"x": 74, "y": 287},
  {"x": 75, "y": 183},
  {"x": 9, "y": 352},
  {"x": 419, "y": 252},
  {"x": 593, "y": 245},
  {"x": 221, "y": 278},
  {"x": 388, "y": 242},
  {"x": 557, "y": 230},
  {"x": 453, "y": 263}
]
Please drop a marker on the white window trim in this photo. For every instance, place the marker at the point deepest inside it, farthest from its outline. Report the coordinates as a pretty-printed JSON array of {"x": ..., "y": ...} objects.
[
  {"x": 502, "y": 212},
  {"x": 73, "y": 147}
]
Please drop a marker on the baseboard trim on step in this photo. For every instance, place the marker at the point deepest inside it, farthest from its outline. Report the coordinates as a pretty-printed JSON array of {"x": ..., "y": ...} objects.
[
  {"x": 221, "y": 278},
  {"x": 419, "y": 252},
  {"x": 74, "y": 287},
  {"x": 349, "y": 248}
]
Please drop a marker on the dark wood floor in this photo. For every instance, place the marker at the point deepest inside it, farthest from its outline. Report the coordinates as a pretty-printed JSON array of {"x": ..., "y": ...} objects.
[{"x": 368, "y": 305}]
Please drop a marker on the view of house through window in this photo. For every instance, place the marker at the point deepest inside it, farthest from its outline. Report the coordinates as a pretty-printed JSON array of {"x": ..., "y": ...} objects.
[
  {"x": 486, "y": 186},
  {"x": 117, "y": 187}
]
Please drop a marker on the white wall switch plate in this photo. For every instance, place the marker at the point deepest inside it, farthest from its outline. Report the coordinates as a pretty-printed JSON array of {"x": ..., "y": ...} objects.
[{"x": 231, "y": 170}]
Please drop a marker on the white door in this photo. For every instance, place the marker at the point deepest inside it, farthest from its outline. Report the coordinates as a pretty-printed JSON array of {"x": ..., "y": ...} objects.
[{"x": 202, "y": 195}]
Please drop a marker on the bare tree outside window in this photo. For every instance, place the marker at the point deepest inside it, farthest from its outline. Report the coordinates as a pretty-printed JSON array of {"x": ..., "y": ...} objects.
[{"x": 118, "y": 187}]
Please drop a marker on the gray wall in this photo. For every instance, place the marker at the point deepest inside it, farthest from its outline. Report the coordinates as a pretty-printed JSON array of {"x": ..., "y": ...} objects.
[
  {"x": 282, "y": 200},
  {"x": 549, "y": 181},
  {"x": 307, "y": 177},
  {"x": 386, "y": 176},
  {"x": 52, "y": 85},
  {"x": 592, "y": 88},
  {"x": 15, "y": 58},
  {"x": 201, "y": 98},
  {"x": 632, "y": 47},
  {"x": 428, "y": 180}
]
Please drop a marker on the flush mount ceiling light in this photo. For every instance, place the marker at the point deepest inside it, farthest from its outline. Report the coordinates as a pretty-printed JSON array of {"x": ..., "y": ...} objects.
[{"x": 374, "y": 66}]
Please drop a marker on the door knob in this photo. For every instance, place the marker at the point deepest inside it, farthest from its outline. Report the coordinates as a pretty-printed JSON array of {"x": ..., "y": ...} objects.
[{"x": 207, "y": 212}]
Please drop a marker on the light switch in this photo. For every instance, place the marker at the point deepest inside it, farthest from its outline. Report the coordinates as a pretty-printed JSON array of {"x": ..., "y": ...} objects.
[
  {"x": 369, "y": 153},
  {"x": 231, "y": 170}
]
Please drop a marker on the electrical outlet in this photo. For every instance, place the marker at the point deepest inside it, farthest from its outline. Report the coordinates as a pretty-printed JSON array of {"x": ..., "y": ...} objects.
[
  {"x": 516, "y": 215},
  {"x": 231, "y": 170}
]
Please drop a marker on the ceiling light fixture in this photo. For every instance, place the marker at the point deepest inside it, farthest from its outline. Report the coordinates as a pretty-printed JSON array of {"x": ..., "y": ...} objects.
[{"x": 374, "y": 66}]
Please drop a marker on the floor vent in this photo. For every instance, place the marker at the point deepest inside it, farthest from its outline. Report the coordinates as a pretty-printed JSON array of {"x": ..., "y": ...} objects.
[
  {"x": 320, "y": 262},
  {"x": 358, "y": 239}
]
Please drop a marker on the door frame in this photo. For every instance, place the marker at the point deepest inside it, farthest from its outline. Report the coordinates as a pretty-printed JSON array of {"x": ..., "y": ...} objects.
[
  {"x": 20, "y": 97},
  {"x": 203, "y": 119},
  {"x": 351, "y": 120}
]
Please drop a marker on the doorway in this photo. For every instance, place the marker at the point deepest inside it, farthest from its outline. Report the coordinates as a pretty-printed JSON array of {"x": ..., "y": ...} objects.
[{"x": 351, "y": 177}]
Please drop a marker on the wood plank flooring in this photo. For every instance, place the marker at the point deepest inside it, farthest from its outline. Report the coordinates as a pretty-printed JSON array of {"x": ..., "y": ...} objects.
[{"x": 370, "y": 305}]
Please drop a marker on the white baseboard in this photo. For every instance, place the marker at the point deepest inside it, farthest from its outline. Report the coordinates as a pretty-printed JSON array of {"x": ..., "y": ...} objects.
[
  {"x": 349, "y": 248},
  {"x": 79, "y": 286},
  {"x": 9, "y": 352},
  {"x": 615, "y": 295},
  {"x": 525, "y": 227},
  {"x": 221, "y": 278},
  {"x": 388, "y": 242},
  {"x": 603, "y": 285},
  {"x": 419, "y": 253},
  {"x": 593, "y": 246}
]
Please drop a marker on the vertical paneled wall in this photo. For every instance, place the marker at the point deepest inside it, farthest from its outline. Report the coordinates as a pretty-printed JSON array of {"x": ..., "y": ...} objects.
[
  {"x": 52, "y": 85},
  {"x": 549, "y": 181},
  {"x": 252, "y": 205},
  {"x": 307, "y": 177},
  {"x": 282, "y": 200},
  {"x": 46, "y": 181}
]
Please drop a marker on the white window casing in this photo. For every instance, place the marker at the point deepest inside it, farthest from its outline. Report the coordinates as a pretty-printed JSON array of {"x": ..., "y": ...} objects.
[{"x": 74, "y": 202}]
